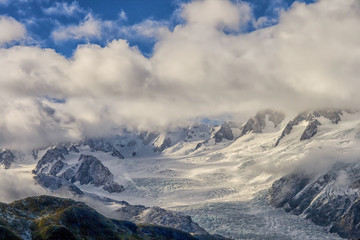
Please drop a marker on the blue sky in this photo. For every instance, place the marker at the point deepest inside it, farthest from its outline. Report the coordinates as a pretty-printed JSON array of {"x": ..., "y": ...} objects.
[{"x": 43, "y": 17}]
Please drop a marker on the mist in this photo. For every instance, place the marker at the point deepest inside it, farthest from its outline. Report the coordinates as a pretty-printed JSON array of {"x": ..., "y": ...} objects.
[
  {"x": 16, "y": 185},
  {"x": 205, "y": 67}
]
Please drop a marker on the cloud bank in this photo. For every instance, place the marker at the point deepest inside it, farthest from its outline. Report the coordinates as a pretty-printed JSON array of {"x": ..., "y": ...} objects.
[{"x": 206, "y": 66}]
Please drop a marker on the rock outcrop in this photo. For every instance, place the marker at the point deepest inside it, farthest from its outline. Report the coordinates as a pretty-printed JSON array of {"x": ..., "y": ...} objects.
[
  {"x": 6, "y": 158},
  {"x": 312, "y": 122},
  {"x": 158, "y": 216},
  {"x": 224, "y": 132},
  {"x": 258, "y": 123},
  {"x": 53, "y": 166},
  {"x": 331, "y": 199}
]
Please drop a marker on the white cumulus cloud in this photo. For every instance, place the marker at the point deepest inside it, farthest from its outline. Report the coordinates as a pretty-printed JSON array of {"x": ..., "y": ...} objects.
[
  {"x": 89, "y": 28},
  {"x": 11, "y": 30}
]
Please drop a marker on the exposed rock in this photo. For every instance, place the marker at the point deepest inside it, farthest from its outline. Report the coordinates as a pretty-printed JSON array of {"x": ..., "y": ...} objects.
[
  {"x": 286, "y": 131},
  {"x": 284, "y": 189},
  {"x": 348, "y": 226},
  {"x": 99, "y": 145},
  {"x": 73, "y": 148},
  {"x": 116, "y": 153},
  {"x": 330, "y": 199},
  {"x": 89, "y": 171},
  {"x": 158, "y": 216},
  {"x": 45, "y": 218},
  {"x": 166, "y": 143},
  {"x": 310, "y": 130},
  {"x": 224, "y": 132},
  {"x": 258, "y": 123},
  {"x": 92, "y": 171},
  {"x": 35, "y": 153},
  {"x": 198, "y": 146},
  {"x": 57, "y": 168},
  {"x": 333, "y": 115},
  {"x": 56, "y": 183},
  {"x": 248, "y": 127},
  {"x": 113, "y": 187},
  {"x": 69, "y": 175},
  {"x": 198, "y": 132},
  {"x": 148, "y": 137},
  {"x": 6, "y": 158},
  {"x": 51, "y": 155}
]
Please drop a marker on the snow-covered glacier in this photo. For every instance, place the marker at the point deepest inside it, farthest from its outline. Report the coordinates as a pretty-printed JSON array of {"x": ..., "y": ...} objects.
[{"x": 222, "y": 176}]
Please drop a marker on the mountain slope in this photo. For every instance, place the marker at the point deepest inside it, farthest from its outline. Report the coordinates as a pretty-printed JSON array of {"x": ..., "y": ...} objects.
[
  {"x": 45, "y": 218},
  {"x": 202, "y": 164}
]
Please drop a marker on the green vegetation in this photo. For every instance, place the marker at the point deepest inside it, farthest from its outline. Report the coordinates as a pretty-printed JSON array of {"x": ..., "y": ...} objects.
[{"x": 52, "y": 218}]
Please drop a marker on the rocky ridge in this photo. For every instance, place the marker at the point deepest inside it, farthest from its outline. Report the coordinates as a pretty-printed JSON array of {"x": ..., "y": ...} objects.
[
  {"x": 52, "y": 169},
  {"x": 311, "y": 118},
  {"x": 48, "y": 218},
  {"x": 6, "y": 158},
  {"x": 330, "y": 199}
]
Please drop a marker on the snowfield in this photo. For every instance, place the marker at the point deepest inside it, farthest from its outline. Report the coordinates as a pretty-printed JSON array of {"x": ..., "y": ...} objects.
[{"x": 223, "y": 186}]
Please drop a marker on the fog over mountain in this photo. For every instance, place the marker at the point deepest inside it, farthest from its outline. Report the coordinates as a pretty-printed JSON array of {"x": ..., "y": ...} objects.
[{"x": 206, "y": 66}]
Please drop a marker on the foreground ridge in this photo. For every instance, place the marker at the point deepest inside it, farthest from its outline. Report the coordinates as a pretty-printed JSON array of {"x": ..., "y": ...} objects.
[{"x": 47, "y": 217}]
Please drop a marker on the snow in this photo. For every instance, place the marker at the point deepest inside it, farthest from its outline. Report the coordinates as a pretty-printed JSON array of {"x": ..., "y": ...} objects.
[{"x": 219, "y": 184}]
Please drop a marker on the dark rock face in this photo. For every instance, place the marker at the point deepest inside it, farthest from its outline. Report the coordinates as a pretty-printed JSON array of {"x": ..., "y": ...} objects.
[
  {"x": 198, "y": 146},
  {"x": 56, "y": 168},
  {"x": 68, "y": 175},
  {"x": 6, "y": 158},
  {"x": 248, "y": 127},
  {"x": 224, "y": 132},
  {"x": 56, "y": 183},
  {"x": 311, "y": 118},
  {"x": 279, "y": 194},
  {"x": 333, "y": 115},
  {"x": 154, "y": 215},
  {"x": 310, "y": 130},
  {"x": 258, "y": 123},
  {"x": 92, "y": 171},
  {"x": 99, "y": 145},
  {"x": 74, "y": 149},
  {"x": 116, "y": 153},
  {"x": 148, "y": 137},
  {"x": 50, "y": 156},
  {"x": 286, "y": 131},
  {"x": 166, "y": 143},
  {"x": 113, "y": 187},
  {"x": 103, "y": 145},
  {"x": 49, "y": 218},
  {"x": 348, "y": 224},
  {"x": 330, "y": 200}
]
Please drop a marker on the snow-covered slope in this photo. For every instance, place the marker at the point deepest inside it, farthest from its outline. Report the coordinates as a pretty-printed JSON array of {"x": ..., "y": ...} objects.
[{"x": 192, "y": 168}]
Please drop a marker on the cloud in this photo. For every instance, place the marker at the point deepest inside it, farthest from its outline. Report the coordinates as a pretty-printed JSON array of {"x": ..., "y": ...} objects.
[
  {"x": 122, "y": 15},
  {"x": 220, "y": 14},
  {"x": 203, "y": 67},
  {"x": 89, "y": 28},
  {"x": 148, "y": 28},
  {"x": 64, "y": 8},
  {"x": 11, "y": 30},
  {"x": 14, "y": 186}
]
